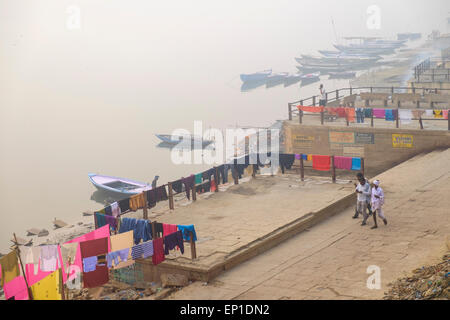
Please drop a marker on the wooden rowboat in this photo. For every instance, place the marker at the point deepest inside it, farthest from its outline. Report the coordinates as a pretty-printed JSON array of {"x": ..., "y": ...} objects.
[{"x": 118, "y": 186}]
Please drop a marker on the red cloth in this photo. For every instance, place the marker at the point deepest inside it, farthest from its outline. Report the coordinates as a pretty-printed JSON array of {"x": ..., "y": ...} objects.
[
  {"x": 213, "y": 186},
  {"x": 341, "y": 112},
  {"x": 321, "y": 163},
  {"x": 350, "y": 114},
  {"x": 158, "y": 251},
  {"x": 310, "y": 109},
  {"x": 343, "y": 163},
  {"x": 92, "y": 248},
  {"x": 332, "y": 111},
  {"x": 169, "y": 228}
]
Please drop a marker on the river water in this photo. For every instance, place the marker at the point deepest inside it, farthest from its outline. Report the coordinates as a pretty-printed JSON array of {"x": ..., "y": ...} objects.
[{"x": 90, "y": 99}]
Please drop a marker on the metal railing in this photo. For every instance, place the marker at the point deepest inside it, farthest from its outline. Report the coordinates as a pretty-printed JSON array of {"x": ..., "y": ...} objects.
[{"x": 337, "y": 95}]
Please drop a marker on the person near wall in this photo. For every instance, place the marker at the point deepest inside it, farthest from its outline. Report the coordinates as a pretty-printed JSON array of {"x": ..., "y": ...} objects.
[
  {"x": 363, "y": 194},
  {"x": 377, "y": 200}
]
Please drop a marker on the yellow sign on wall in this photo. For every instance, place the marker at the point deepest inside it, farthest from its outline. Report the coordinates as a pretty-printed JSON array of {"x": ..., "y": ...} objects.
[{"x": 402, "y": 141}]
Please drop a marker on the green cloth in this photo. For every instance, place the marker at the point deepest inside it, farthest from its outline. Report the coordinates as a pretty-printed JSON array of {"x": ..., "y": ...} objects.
[
  {"x": 10, "y": 267},
  {"x": 198, "y": 178}
]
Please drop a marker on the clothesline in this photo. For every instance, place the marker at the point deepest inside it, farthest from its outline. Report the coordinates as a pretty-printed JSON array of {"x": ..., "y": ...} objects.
[{"x": 47, "y": 268}]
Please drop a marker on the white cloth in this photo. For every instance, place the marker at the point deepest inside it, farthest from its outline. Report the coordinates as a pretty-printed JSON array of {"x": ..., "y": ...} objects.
[
  {"x": 49, "y": 258},
  {"x": 429, "y": 113},
  {"x": 377, "y": 203},
  {"x": 30, "y": 255},
  {"x": 405, "y": 116},
  {"x": 115, "y": 209},
  {"x": 323, "y": 94},
  {"x": 365, "y": 189},
  {"x": 68, "y": 251}
]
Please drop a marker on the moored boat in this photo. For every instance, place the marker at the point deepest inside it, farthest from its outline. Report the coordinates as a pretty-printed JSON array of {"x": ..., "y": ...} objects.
[
  {"x": 261, "y": 75},
  {"x": 118, "y": 186},
  {"x": 182, "y": 139}
]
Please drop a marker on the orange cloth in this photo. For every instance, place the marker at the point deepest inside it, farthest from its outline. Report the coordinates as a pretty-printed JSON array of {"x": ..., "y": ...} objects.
[
  {"x": 137, "y": 202},
  {"x": 213, "y": 186},
  {"x": 321, "y": 163},
  {"x": 350, "y": 114},
  {"x": 332, "y": 111},
  {"x": 310, "y": 109}
]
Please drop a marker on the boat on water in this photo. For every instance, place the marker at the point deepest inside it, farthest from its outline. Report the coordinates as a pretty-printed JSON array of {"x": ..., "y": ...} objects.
[
  {"x": 276, "y": 79},
  {"x": 409, "y": 36},
  {"x": 339, "y": 60},
  {"x": 339, "y": 54},
  {"x": 261, "y": 75},
  {"x": 183, "y": 139},
  {"x": 118, "y": 186},
  {"x": 342, "y": 75},
  {"x": 250, "y": 85},
  {"x": 292, "y": 79}
]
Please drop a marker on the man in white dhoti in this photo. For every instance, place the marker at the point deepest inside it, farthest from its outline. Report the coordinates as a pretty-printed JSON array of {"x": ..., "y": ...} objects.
[{"x": 377, "y": 201}]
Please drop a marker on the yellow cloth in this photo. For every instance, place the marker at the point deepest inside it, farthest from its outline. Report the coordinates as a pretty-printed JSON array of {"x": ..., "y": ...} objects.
[
  {"x": 10, "y": 267},
  {"x": 137, "y": 202},
  {"x": 48, "y": 288},
  {"x": 309, "y": 157},
  {"x": 438, "y": 113},
  {"x": 122, "y": 241}
]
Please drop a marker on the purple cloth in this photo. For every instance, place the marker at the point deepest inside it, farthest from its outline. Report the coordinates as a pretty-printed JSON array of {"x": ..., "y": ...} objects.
[
  {"x": 188, "y": 184},
  {"x": 123, "y": 254},
  {"x": 112, "y": 221},
  {"x": 90, "y": 264},
  {"x": 297, "y": 156},
  {"x": 173, "y": 240},
  {"x": 379, "y": 113},
  {"x": 343, "y": 163}
]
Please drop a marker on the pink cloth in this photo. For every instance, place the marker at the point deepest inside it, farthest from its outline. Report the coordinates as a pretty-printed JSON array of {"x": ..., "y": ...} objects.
[
  {"x": 16, "y": 288},
  {"x": 99, "y": 233},
  {"x": 445, "y": 114},
  {"x": 102, "y": 232},
  {"x": 343, "y": 163},
  {"x": 32, "y": 278},
  {"x": 379, "y": 113},
  {"x": 169, "y": 228}
]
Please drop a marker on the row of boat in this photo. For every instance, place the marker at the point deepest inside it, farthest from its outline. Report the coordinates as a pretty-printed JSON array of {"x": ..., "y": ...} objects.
[
  {"x": 269, "y": 79},
  {"x": 363, "y": 54}
]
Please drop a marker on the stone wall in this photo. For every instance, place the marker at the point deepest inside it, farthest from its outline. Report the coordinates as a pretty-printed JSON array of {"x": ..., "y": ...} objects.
[{"x": 381, "y": 148}]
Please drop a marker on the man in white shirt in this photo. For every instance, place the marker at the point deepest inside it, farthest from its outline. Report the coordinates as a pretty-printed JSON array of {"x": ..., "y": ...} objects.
[
  {"x": 323, "y": 96},
  {"x": 377, "y": 200},
  {"x": 363, "y": 194}
]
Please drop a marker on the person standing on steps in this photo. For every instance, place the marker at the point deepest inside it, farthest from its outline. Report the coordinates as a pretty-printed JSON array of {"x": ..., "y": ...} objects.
[
  {"x": 377, "y": 200},
  {"x": 323, "y": 96}
]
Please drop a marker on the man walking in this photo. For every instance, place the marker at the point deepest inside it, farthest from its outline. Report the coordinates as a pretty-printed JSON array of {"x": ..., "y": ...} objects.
[
  {"x": 363, "y": 194},
  {"x": 377, "y": 200}
]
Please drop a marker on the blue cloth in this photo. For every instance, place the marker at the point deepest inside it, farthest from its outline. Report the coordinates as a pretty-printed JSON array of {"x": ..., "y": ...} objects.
[
  {"x": 141, "y": 229},
  {"x": 356, "y": 163},
  {"x": 305, "y": 157},
  {"x": 101, "y": 219},
  {"x": 389, "y": 115},
  {"x": 122, "y": 254},
  {"x": 127, "y": 224},
  {"x": 144, "y": 249},
  {"x": 90, "y": 264},
  {"x": 185, "y": 231},
  {"x": 112, "y": 256}
]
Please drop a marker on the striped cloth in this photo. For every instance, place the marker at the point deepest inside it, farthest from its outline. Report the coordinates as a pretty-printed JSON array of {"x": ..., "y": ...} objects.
[{"x": 144, "y": 249}]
